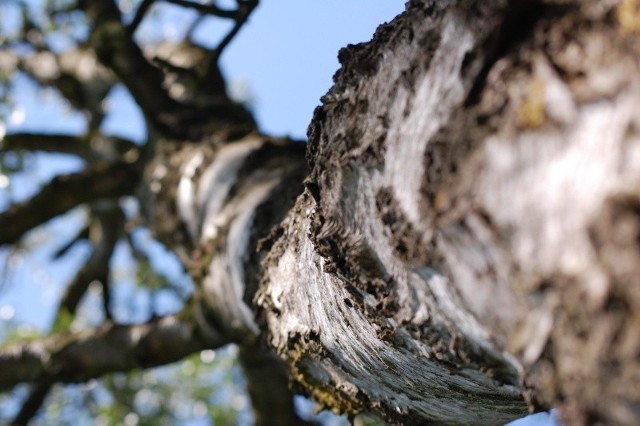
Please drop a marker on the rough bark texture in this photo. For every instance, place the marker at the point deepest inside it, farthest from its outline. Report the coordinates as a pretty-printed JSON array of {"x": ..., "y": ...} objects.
[{"x": 470, "y": 224}]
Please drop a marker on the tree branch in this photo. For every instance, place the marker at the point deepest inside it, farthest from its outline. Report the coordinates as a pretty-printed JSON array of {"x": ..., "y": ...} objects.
[
  {"x": 244, "y": 10},
  {"x": 66, "y": 192},
  {"x": 106, "y": 349},
  {"x": 32, "y": 404},
  {"x": 76, "y": 74},
  {"x": 268, "y": 386},
  {"x": 81, "y": 146},
  {"x": 117, "y": 50},
  {"x": 104, "y": 233},
  {"x": 208, "y": 9},
  {"x": 140, "y": 14},
  {"x": 58, "y": 143},
  {"x": 83, "y": 234}
]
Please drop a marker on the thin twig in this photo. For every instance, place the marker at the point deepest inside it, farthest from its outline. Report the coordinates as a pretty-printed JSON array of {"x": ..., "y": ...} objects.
[
  {"x": 245, "y": 7},
  {"x": 140, "y": 14},
  {"x": 37, "y": 394},
  {"x": 105, "y": 230},
  {"x": 82, "y": 234},
  {"x": 209, "y": 9}
]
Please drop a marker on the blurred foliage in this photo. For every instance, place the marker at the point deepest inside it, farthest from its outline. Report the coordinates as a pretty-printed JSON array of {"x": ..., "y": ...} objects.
[
  {"x": 149, "y": 278},
  {"x": 11, "y": 332},
  {"x": 206, "y": 387},
  {"x": 367, "y": 419}
]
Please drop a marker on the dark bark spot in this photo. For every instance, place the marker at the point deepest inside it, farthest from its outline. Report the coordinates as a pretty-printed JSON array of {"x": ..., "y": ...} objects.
[
  {"x": 615, "y": 236},
  {"x": 362, "y": 106},
  {"x": 519, "y": 19},
  {"x": 313, "y": 189},
  {"x": 407, "y": 242}
]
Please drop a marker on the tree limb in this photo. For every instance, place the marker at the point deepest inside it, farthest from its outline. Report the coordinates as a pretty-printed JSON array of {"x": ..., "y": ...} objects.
[
  {"x": 117, "y": 50},
  {"x": 76, "y": 74},
  {"x": 104, "y": 233},
  {"x": 106, "y": 349},
  {"x": 268, "y": 386},
  {"x": 139, "y": 16},
  {"x": 83, "y": 234},
  {"x": 475, "y": 194},
  {"x": 208, "y": 9},
  {"x": 59, "y": 143},
  {"x": 66, "y": 192},
  {"x": 81, "y": 146},
  {"x": 32, "y": 404},
  {"x": 244, "y": 10}
]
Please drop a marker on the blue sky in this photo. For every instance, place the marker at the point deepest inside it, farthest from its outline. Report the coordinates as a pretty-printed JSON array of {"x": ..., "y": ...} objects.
[
  {"x": 285, "y": 56},
  {"x": 288, "y": 54}
]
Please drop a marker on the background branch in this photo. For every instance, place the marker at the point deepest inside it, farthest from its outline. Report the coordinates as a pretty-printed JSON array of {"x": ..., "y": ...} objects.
[
  {"x": 83, "y": 234},
  {"x": 76, "y": 74},
  {"x": 117, "y": 50},
  {"x": 139, "y": 16},
  {"x": 57, "y": 143},
  {"x": 63, "y": 193},
  {"x": 72, "y": 358},
  {"x": 105, "y": 230},
  {"x": 107, "y": 221},
  {"x": 32, "y": 404},
  {"x": 87, "y": 148},
  {"x": 268, "y": 387},
  {"x": 208, "y": 9},
  {"x": 244, "y": 10}
]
